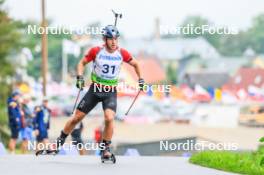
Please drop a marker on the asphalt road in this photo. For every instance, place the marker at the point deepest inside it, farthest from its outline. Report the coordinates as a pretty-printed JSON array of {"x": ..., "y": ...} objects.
[{"x": 71, "y": 165}]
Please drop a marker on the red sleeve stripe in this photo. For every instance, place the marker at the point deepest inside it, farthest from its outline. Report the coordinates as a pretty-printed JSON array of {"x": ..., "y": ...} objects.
[
  {"x": 91, "y": 55},
  {"x": 126, "y": 55}
]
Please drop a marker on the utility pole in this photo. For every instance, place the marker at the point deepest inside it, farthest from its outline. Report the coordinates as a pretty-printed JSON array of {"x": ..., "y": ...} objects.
[
  {"x": 64, "y": 65},
  {"x": 44, "y": 48}
]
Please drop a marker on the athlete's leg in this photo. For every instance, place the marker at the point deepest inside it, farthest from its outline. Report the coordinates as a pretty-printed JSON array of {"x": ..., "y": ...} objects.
[
  {"x": 109, "y": 106},
  {"x": 69, "y": 126},
  {"x": 72, "y": 122},
  {"x": 88, "y": 102},
  {"x": 109, "y": 115}
]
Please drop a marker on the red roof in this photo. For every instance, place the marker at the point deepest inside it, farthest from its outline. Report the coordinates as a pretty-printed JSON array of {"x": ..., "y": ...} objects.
[
  {"x": 151, "y": 68},
  {"x": 246, "y": 77}
]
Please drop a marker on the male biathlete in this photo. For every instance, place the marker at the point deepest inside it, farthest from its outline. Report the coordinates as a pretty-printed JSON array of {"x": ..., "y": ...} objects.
[{"x": 107, "y": 60}]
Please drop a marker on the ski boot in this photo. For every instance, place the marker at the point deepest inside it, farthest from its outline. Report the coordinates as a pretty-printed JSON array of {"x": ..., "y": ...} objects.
[
  {"x": 106, "y": 155},
  {"x": 55, "y": 147}
]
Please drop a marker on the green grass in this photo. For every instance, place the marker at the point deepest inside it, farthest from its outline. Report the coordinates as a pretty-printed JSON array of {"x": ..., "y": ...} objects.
[{"x": 237, "y": 162}]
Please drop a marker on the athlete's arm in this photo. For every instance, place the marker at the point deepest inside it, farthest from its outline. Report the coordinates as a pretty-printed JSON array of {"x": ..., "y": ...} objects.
[
  {"x": 128, "y": 58},
  {"x": 134, "y": 63},
  {"x": 80, "y": 67},
  {"x": 90, "y": 56}
]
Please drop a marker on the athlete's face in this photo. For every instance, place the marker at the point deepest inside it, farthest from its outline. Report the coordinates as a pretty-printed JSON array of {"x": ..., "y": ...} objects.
[{"x": 111, "y": 43}]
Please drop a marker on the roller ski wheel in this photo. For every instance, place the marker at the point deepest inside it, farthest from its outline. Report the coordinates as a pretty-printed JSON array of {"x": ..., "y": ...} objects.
[{"x": 111, "y": 158}]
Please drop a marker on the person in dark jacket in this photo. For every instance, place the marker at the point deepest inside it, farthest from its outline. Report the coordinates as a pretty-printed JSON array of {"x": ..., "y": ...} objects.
[
  {"x": 14, "y": 118},
  {"x": 42, "y": 122}
]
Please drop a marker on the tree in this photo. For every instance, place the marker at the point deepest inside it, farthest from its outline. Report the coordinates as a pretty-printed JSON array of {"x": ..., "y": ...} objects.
[
  {"x": 171, "y": 74},
  {"x": 9, "y": 45},
  {"x": 195, "y": 21},
  {"x": 255, "y": 34},
  {"x": 198, "y": 21},
  {"x": 54, "y": 53},
  {"x": 233, "y": 45}
]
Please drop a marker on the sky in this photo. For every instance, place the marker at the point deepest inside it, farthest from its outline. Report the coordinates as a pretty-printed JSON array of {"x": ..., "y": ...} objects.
[{"x": 138, "y": 15}]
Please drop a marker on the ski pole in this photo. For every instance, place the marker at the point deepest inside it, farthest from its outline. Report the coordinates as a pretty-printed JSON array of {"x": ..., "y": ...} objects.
[
  {"x": 117, "y": 15},
  {"x": 76, "y": 100},
  {"x": 133, "y": 102}
]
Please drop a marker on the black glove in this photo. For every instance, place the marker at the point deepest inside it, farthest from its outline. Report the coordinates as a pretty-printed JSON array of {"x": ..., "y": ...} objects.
[
  {"x": 141, "y": 83},
  {"x": 80, "y": 82}
]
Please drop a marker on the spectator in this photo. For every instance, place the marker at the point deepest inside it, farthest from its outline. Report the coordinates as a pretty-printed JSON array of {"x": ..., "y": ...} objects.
[
  {"x": 42, "y": 122},
  {"x": 27, "y": 123},
  {"x": 14, "y": 116}
]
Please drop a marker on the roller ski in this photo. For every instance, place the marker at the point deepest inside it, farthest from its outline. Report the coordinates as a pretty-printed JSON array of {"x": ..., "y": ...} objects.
[
  {"x": 46, "y": 152},
  {"x": 55, "y": 147},
  {"x": 106, "y": 155}
]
